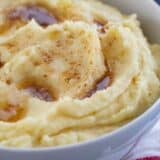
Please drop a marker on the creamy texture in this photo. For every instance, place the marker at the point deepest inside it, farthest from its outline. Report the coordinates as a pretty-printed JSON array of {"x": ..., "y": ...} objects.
[{"x": 71, "y": 70}]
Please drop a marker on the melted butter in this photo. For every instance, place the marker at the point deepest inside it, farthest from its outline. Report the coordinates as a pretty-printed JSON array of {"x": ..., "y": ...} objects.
[
  {"x": 1, "y": 64},
  {"x": 40, "y": 93},
  {"x": 100, "y": 26},
  {"x": 101, "y": 84},
  {"x": 28, "y": 12},
  {"x": 11, "y": 113}
]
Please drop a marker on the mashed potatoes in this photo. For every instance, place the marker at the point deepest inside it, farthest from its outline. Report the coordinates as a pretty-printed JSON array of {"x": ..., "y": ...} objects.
[{"x": 71, "y": 70}]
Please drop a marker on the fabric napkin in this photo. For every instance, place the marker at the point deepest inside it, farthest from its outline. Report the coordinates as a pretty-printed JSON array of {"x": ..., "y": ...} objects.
[{"x": 148, "y": 148}]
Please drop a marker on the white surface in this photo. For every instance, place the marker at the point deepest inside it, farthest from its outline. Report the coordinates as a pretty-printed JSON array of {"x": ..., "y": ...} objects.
[{"x": 148, "y": 146}]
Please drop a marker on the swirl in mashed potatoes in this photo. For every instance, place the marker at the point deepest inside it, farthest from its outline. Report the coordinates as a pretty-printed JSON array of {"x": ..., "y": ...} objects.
[{"x": 71, "y": 70}]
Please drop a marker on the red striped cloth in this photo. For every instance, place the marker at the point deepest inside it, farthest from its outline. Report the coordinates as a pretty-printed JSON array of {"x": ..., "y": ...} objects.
[
  {"x": 148, "y": 147},
  {"x": 150, "y": 158}
]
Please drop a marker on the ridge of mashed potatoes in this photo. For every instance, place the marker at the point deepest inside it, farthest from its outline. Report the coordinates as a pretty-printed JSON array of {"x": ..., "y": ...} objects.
[{"x": 49, "y": 67}]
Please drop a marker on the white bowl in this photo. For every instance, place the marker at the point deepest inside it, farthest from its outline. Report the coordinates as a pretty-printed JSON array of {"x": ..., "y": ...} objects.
[{"x": 115, "y": 145}]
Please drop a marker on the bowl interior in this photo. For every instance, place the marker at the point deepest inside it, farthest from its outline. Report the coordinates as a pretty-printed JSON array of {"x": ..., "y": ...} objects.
[{"x": 148, "y": 13}]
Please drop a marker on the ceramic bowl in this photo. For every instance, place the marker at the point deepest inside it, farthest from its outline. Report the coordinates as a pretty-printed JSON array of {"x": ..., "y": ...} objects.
[{"x": 115, "y": 145}]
